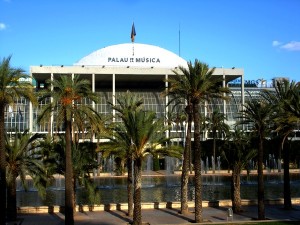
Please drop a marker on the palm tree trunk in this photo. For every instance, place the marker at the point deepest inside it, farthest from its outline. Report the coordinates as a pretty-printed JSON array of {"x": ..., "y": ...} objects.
[
  {"x": 185, "y": 167},
  {"x": 236, "y": 192},
  {"x": 74, "y": 191},
  {"x": 2, "y": 168},
  {"x": 280, "y": 146},
  {"x": 69, "y": 192},
  {"x": 197, "y": 166},
  {"x": 260, "y": 186},
  {"x": 286, "y": 185},
  {"x": 129, "y": 186},
  {"x": 12, "y": 203},
  {"x": 137, "y": 211}
]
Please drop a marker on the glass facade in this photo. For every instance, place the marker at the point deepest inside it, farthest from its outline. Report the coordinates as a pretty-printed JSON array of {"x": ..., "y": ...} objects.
[
  {"x": 17, "y": 116},
  {"x": 148, "y": 83}
]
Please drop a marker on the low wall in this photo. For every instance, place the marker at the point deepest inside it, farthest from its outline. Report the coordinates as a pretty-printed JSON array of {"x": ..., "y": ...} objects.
[{"x": 149, "y": 205}]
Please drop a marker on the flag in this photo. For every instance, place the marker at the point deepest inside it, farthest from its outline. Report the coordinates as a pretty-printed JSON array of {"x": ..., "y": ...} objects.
[{"x": 133, "y": 33}]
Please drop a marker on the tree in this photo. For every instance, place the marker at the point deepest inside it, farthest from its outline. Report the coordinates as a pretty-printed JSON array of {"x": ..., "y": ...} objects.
[
  {"x": 179, "y": 92},
  {"x": 257, "y": 114},
  {"x": 24, "y": 158},
  {"x": 217, "y": 126},
  {"x": 119, "y": 144},
  {"x": 237, "y": 152},
  {"x": 67, "y": 94},
  {"x": 138, "y": 134},
  {"x": 196, "y": 85},
  {"x": 285, "y": 122},
  {"x": 11, "y": 88},
  {"x": 120, "y": 139},
  {"x": 148, "y": 137}
]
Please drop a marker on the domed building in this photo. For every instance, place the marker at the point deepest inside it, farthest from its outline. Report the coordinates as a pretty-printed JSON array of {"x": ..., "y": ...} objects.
[{"x": 139, "y": 68}]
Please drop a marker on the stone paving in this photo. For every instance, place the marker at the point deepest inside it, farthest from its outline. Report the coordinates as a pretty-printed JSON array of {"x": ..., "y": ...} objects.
[{"x": 163, "y": 216}]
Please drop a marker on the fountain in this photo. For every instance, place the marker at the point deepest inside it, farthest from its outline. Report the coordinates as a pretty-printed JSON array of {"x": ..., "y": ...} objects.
[
  {"x": 203, "y": 170},
  {"x": 219, "y": 163},
  {"x": 162, "y": 188},
  {"x": 171, "y": 164},
  {"x": 148, "y": 181},
  {"x": 206, "y": 165},
  {"x": 213, "y": 164},
  {"x": 149, "y": 163}
]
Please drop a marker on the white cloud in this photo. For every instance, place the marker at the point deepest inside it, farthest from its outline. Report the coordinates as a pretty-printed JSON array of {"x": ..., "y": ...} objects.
[
  {"x": 2, "y": 26},
  {"x": 291, "y": 46},
  {"x": 276, "y": 43}
]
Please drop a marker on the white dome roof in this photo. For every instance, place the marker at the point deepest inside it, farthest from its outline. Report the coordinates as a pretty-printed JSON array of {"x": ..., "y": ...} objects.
[{"x": 133, "y": 55}]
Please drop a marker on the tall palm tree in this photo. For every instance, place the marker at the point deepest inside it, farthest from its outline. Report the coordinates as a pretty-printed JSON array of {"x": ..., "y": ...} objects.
[
  {"x": 237, "y": 152},
  {"x": 284, "y": 125},
  {"x": 24, "y": 157},
  {"x": 196, "y": 84},
  {"x": 179, "y": 92},
  {"x": 217, "y": 126},
  {"x": 257, "y": 114},
  {"x": 67, "y": 94},
  {"x": 11, "y": 88},
  {"x": 147, "y": 137},
  {"x": 127, "y": 104}
]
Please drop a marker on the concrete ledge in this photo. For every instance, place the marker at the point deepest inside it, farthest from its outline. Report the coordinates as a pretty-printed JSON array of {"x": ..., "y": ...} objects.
[
  {"x": 39, "y": 209},
  {"x": 148, "y": 205}
]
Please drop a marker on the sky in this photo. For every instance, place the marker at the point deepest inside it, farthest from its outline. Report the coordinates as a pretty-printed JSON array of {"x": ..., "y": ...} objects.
[{"x": 260, "y": 36}]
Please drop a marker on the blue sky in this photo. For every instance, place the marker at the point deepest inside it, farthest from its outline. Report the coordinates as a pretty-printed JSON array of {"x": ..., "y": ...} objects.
[{"x": 261, "y": 36}]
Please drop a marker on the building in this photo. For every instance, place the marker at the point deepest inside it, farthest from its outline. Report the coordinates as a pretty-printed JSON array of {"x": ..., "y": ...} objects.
[{"x": 113, "y": 70}]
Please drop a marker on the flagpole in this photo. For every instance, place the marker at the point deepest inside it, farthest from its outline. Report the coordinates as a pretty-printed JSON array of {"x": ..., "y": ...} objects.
[
  {"x": 132, "y": 48},
  {"x": 132, "y": 36}
]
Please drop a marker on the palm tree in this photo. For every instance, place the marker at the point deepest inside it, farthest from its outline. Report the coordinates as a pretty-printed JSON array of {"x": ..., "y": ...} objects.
[
  {"x": 292, "y": 108},
  {"x": 196, "y": 85},
  {"x": 147, "y": 137},
  {"x": 178, "y": 91},
  {"x": 24, "y": 158},
  {"x": 237, "y": 153},
  {"x": 67, "y": 93},
  {"x": 120, "y": 140},
  {"x": 83, "y": 159},
  {"x": 218, "y": 127},
  {"x": 11, "y": 87},
  {"x": 257, "y": 114},
  {"x": 119, "y": 144},
  {"x": 284, "y": 124}
]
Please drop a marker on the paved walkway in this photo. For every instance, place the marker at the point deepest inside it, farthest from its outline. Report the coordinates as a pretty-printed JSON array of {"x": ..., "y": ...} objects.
[{"x": 161, "y": 216}]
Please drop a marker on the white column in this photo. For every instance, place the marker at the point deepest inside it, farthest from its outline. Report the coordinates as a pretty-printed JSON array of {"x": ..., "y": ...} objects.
[
  {"x": 242, "y": 89},
  {"x": 114, "y": 94},
  {"x": 93, "y": 82},
  {"x": 93, "y": 103},
  {"x": 30, "y": 118},
  {"x": 51, "y": 99},
  {"x": 242, "y": 96},
  {"x": 224, "y": 95},
  {"x": 167, "y": 108}
]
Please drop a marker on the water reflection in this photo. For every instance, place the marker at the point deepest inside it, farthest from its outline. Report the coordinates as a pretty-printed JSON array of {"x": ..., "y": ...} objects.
[{"x": 162, "y": 189}]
